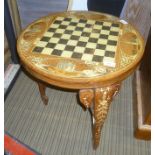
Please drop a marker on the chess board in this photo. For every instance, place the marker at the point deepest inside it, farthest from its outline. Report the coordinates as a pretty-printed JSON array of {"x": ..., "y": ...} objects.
[{"x": 84, "y": 39}]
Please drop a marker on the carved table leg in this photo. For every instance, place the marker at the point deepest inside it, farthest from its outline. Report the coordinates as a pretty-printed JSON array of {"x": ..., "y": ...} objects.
[
  {"x": 42, "y": 89},
  {"x": 102, "y": 98}
]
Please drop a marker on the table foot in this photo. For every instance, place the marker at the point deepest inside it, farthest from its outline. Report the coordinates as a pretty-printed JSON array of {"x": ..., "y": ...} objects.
[{"x": 42, "y": 89}]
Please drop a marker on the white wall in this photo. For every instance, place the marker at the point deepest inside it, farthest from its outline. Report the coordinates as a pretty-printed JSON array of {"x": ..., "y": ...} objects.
[{"x": 79, "y": 5}]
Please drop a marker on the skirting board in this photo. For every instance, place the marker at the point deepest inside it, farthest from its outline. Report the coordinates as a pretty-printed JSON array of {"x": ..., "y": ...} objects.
[{"x": 142, "y": 130}]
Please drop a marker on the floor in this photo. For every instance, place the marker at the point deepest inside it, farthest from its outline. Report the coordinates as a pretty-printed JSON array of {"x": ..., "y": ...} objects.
[{"x": 63, "y": 128}]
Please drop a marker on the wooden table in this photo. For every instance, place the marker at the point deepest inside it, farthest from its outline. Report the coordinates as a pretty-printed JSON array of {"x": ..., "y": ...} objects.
[{"x": 87, "y": 51}]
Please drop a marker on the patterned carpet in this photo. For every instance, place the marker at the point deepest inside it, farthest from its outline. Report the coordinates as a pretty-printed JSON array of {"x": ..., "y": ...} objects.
[{"x": 63, "y": 128}]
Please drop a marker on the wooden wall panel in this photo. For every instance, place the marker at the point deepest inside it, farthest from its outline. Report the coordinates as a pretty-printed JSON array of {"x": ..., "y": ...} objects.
[{"x": 138, "y": 13}]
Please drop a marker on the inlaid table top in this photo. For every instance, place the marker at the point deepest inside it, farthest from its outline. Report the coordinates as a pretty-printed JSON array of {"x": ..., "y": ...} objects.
[{"x": 80, "y": 49}]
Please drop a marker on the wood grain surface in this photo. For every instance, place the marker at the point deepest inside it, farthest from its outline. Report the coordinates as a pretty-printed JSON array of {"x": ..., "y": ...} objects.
[{"x": 138, "y": 13}]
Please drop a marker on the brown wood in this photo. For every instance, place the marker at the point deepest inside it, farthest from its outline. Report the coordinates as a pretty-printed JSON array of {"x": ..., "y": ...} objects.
[
  {"x": 86, "y": 97},
  {"x": 143, "y": 117},
  {"x": 145, "y": 79},
  {"x": 46, "y": 67},
  {"x": 98, "y": 100},
  {"x": 148, "y": 119},
  {"x": 103, "y": 98},
  {"x": 138, "y": 13},
  {"x": 143, "y": 132},
  {"x": 42, "y": 89},
  {"x": 142, "y": 82},
  {"x": 97, "y": 83}
]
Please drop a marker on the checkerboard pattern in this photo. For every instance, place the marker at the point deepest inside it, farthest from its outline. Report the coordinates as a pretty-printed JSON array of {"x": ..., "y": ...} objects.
[{"x": 83, "y": 39}]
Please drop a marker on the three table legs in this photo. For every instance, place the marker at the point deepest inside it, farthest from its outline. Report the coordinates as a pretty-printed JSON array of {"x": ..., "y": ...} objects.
[{"x": 98, "y": 100}]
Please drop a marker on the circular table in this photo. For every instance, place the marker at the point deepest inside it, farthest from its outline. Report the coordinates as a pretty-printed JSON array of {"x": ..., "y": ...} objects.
[{"x": 87, "y": 51}]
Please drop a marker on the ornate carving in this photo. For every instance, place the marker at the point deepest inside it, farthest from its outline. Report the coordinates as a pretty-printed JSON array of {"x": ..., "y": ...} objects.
[
  {"x": 66, "y": 66},
  {"x": 103, "y": 98},
  {"x": 24, "y": 45},
  {"x": 86, "y": 97}
]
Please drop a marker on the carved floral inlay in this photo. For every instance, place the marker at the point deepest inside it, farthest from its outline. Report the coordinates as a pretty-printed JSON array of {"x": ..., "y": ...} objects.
[
  {"x": 99, "y": 101},
  {"x": 66, "y": 66}
]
